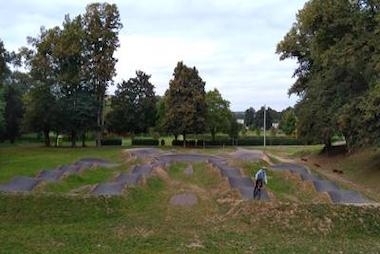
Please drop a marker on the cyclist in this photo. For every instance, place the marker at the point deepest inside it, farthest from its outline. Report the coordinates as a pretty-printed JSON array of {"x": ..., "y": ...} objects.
[{"x": 260, "y": 179}]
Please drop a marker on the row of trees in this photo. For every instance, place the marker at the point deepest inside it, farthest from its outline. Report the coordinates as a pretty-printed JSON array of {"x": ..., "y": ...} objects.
[
  {"x": 336, "y": 45},
  {"x": 286, "y": 119},
  {"x": 69, "y": 70},
  {"x": 185, "y": 108}
]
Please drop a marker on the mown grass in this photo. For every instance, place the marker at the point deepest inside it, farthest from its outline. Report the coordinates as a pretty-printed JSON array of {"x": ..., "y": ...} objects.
[
  {"x": 29, "y": 160},
  {"x": 143, "y": 221},
  {"x": 359, "y": 170},
  {"x": 293, "y": 151},
  {"x": 72, "y": 182}
]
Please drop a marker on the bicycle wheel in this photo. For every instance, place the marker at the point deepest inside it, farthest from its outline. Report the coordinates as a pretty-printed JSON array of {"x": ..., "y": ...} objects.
[{"x": 256, "y": 193}]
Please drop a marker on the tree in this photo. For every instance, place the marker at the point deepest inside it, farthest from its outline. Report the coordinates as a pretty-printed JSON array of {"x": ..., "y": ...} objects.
[
  {"x": 41, "y": 104},
  {"x": 15, "y": 86},
  {"x": 2, "y": 110},
  {"x": 186, "y": 102},
  {"x": 249, "y": 117},
  {"x": 4, "y": 72},
  {"x": 160, "y": 116},
  {"x": 218, "y": 113},
  {"x": 259, "y": 118},
  {"x": 101, "y": 24},
  {"x": 235, "y": 127},
  {"x": 14, "y": 110},
  {"x": 330, "y": 40},
  {"x": 288, "y": 121},
  {"x": 73, "y": 93},
  {"x": 41, "y": 110},
  {"x": 133, "y": 108}
]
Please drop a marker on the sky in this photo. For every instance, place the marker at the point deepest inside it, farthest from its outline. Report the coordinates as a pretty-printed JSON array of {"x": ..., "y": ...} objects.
[{"x": 232, "y": 43}]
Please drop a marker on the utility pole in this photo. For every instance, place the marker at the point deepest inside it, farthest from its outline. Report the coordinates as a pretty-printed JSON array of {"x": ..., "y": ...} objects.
[{"x": 265, "y": 124}]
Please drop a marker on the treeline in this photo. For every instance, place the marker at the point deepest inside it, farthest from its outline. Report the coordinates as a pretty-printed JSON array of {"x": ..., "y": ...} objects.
[
  {"x": 336, "y": 44},
  {"x": 69, "y": 69},
  {"x": 286, "y": 120}
]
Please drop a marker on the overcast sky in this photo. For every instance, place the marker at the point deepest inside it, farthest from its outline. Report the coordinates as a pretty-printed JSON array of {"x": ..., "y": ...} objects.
[{"x": 232, "y": 43}]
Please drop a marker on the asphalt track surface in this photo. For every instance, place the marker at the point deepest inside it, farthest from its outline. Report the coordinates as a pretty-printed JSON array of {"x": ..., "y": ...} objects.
[
  {"x": 336, "y": 194},
  {"x": 26, "y": 184},
  {"x": 236, "y": 179}
]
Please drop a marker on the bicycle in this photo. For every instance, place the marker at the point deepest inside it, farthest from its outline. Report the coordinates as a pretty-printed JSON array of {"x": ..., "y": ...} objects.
[{"x": 257, "y": 190}]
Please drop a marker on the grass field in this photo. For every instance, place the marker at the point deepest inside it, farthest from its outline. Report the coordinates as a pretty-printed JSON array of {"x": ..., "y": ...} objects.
[{"x": 51, "y": 220}]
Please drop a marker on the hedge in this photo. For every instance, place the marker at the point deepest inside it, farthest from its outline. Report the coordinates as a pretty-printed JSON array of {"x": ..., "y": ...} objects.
[
  {"x": 251, "y": 141},
  {"x": 189, "y": 143},
  {"x": 145, "y": 142},
  {"x": 111, "y": 142}
]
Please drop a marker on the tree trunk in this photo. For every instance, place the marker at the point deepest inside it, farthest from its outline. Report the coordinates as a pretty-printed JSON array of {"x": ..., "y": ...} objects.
[
  {"x": 184, "y": 139},
  {"x": 100, "y": 122},
  {"x": 56, "y": 139},
  {"x": 83, "y": 139},
  {"x": 46, "y": 137},
  {"x": 73, "y": 138},
  {"x": 213, "y": 133}
]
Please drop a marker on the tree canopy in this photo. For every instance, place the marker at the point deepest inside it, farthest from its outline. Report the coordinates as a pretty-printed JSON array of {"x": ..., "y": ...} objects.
[
  {"x": 218, "y": 113},
  {"x": 336, "y": 46},
  {"x": 133, "y": 108},
  {"x": 186, "y": 108}
]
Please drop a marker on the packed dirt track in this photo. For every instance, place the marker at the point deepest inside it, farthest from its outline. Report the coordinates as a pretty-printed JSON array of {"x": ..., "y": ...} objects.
[{"x": 150, "y": 159}]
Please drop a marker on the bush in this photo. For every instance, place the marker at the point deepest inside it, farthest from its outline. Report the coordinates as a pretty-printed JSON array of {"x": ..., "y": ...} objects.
[
  {"x": 111, "y": 142},
  {"x": 189, "y": 143},
  {"x": 248, "y": 141},
  {"x": 162, "y": 142},
  {"x": 145, "y": 142},
  {"x": 217, "y": 142}
]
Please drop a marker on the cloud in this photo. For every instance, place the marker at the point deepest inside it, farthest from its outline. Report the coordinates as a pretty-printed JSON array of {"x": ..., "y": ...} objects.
[{"x": 232, "y": 43}]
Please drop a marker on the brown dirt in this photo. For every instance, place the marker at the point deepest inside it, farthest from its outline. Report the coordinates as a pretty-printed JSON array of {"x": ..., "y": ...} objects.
[{"x": 329, "y": 167}]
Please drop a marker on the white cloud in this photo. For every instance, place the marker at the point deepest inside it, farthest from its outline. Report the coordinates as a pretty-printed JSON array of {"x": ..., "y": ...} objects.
[{"x": 232, "y": 43}]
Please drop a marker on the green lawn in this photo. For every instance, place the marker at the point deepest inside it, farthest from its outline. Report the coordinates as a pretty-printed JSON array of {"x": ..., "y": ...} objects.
[
  {"x": 142, "y": 220},
  {"x": 30, "y": 159}
]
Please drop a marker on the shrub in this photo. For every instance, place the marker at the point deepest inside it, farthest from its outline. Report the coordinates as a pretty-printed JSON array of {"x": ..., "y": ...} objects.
[
  {"x": 145, "y": 142},
  {"x": 189, "y": 143}
]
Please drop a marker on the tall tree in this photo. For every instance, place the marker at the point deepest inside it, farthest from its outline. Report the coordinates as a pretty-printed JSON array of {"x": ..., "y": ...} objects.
[
  {"x": 333, "y": 42},
  {"x": 41, "y": 100},
  {"x": 218, "y": 113},
  {"x": 133, "y": 108},
  {"x": 186, "y": 102},
  {"x": 15, "y": 86},
  {"x": 288, "y": 121},
  {"x": 74, "y": 93},
  {"x": 101, "y": 24},
  {"x": 259, "y": 118},
  {"x": 249, "y": 117},
  {"x": 235, "y": 127},
  {"x": 4, "y": 72},
  {"x": 14, "y": 110},
  {"x": 160, "y": 109}
]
